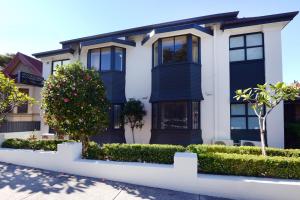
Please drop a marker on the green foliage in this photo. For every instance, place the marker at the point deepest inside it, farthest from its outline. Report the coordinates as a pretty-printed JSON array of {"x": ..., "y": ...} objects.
[
  {"x": 133, "y": 113},
  {"x": 74, "y": 102},
  {"x": 267, "y": 95},
  {"x": 249, "y": 165},
  {"x": 93, "y": 152},
  {"x": 247, "y": 161},
  {"x": 5, "y": 59},
  {"x": 46, "y": 145},
  {"x": 252, "y": 150},
  {"x": 150, "y": 153},
  {"x": 10, "y": 97}
]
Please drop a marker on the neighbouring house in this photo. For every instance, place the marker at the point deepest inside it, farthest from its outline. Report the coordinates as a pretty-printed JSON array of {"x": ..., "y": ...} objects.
[
  {"x": 292, "y": 123},
  {"x": 28, "y": 75},
  {"x": 185, "y": 72}
]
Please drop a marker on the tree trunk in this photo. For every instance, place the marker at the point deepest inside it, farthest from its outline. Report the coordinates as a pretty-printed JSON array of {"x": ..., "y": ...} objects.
[
  {"x": 262, "y": 135},
  {"x": 133, "y": 139},
  {"x": 85, "y": 142}
]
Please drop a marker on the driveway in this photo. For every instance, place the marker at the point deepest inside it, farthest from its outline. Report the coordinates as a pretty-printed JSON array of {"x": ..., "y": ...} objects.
[{"x": 24, "y": 183}]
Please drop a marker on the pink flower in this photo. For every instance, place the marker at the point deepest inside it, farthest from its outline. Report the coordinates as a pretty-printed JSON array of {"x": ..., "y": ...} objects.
[{"x": 66, "y": 100}]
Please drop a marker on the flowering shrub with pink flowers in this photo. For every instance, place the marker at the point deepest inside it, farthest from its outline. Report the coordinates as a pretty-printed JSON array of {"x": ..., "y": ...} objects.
[{"x": 74, "y": 102}]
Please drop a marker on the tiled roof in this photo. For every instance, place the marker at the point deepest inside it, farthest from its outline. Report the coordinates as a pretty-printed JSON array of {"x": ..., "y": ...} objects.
[{"x": 34, "y": 64}]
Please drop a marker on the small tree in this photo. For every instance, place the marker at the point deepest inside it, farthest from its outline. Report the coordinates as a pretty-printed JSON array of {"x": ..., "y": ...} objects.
[
  {"x": 133, "y": 114},
  {"x": 10, "y": 97},
  {"x": 74, "y": 102},
  {"x": 264, "y": 99}
]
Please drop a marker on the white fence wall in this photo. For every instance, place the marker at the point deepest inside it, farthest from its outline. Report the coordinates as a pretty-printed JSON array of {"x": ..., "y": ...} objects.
[{"x": 181, "y": 176}]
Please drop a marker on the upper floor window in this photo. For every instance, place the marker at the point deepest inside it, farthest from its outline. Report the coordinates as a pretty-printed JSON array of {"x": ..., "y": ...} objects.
[
  {"x": 107, "y": 59},
  {"x": 57, "y": 63},
  {"x": 176, "y": 49},
  {"x": 246, "y": 47}
]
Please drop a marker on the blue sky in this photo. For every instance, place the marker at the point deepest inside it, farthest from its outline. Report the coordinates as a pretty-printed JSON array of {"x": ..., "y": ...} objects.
[{"x": 38, "y": 25}]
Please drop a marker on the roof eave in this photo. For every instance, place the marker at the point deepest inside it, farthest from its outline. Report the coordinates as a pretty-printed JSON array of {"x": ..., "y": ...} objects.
[{"x": 53, "y": 52}]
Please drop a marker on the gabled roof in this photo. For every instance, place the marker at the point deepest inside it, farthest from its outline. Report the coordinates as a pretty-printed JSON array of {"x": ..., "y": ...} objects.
[{"x": 34, "y": 64}]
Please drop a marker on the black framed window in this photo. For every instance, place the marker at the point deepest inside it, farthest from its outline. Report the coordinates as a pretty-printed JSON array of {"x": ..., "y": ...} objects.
[
  {"x": 243, "y": 117},
  {"x": 57, "y": 63},
  {"x": 107, "y": 59},
  {"x": 246, "y": 47},
  {"x": 195, "y": 48},
  {"x": 195, "y": 115},
  {"x": 177, "y": 49},
  {"x": 23, "y": 108},
  {"x": 176, "y": 115}
]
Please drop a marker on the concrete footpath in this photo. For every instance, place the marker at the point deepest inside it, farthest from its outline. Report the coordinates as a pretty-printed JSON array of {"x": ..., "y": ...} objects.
[{"x": 25, "y": 183}]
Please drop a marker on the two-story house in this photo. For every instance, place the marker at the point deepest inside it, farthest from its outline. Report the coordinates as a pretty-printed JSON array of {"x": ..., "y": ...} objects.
[
  {"x": 27, "y": 73},
  {"x": 185, "y": 72}
]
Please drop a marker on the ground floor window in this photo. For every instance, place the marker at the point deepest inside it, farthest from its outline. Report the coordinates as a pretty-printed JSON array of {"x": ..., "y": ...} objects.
[
  {"x": 23, "y": 108},
  {"x": 176, "y": 115},
  {"x": 116, "y": 121},
  {"x": 243, "y": 116}
]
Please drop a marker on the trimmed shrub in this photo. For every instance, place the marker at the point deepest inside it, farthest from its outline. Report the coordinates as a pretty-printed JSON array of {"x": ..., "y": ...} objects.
[
  {"x": 249, "y": 165},
  {"x": 46, "y": 145},
  {"x": 242, "y": 150},
  {"x": 94, "y": 152},
  {"x": 150, "y": 153}
]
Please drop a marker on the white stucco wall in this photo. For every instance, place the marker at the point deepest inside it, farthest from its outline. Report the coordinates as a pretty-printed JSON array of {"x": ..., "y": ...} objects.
[
  {"x": 180, "y": 176},
  {"x": 273, "y": 67},
  {"x": 138, "y": 86}
]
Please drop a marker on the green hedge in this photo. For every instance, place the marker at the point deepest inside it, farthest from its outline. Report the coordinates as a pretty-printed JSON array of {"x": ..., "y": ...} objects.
[
  {"x": 213, "y": 159},
  {"x": 249, "y": 165},
  {"x": 47, "y": 145},
  {"x": 150, "y": 153},
  {"x": 243, "y": 150}
]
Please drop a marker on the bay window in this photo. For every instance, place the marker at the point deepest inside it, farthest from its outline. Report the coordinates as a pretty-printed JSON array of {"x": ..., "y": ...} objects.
[
  {"x": 107, "y": 59},
  {"x": 177, "y": 49},
  {"x": 176, "y": 115}
]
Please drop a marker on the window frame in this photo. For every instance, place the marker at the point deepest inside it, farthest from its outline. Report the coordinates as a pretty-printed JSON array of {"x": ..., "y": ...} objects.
[
  {"x": 113, "y": 117},
  {"x": 112, "y": 59},
  {"x": 245, "y": 47},
  {"x": 61, "y": 63},
  {"x": 189, "y": 104},
  {"x": 189, "y": 50},
  {"x": 246, "y": 116}
]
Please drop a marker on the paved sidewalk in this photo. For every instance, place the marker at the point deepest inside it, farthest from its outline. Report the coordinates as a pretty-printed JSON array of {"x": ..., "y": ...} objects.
[{"x": 24, "y": 183}]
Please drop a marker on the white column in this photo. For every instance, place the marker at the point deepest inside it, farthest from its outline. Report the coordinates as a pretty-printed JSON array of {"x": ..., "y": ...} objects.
[
  {"x": 221, "y": 84},
  {"x": 273, "y": 71}
]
